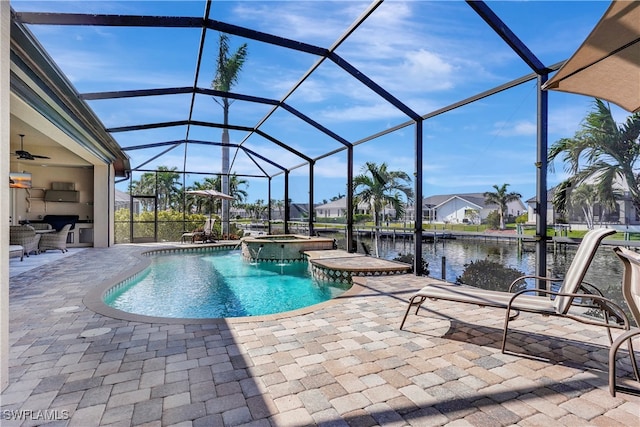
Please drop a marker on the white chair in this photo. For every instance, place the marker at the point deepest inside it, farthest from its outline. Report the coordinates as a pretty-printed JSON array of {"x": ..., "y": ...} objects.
[{"x": 573, "y": 293}]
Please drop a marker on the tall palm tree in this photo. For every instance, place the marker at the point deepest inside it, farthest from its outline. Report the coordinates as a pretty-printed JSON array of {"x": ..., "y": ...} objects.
[
  {"x": 379, "y": 187},
  {"x": 600, "y": 151},
  {"x": 227, "y": 71},
  {"x": 501, "y": 198}
]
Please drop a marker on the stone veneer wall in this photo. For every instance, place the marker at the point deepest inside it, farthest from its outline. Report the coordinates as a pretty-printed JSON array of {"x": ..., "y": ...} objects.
[{"x": 324, "y": 274}]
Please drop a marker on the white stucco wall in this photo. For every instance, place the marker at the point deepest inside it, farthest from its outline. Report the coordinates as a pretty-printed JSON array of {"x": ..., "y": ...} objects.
[
  {"x": 454, "y": 211},
  {"x": 5, "y": 24},
  {"x": 103, "y": 206}
]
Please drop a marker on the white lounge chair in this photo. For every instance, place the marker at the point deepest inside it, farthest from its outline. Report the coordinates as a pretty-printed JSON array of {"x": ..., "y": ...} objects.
[{"x": 573, "y": 293}]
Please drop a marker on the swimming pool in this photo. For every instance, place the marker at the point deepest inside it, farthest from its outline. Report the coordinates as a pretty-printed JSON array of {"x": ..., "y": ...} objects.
[{"x": 218, "y": 284}]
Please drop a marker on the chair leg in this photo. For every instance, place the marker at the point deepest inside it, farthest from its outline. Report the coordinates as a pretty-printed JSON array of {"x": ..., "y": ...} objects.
[
  {"x": 507, "y": 317},
  {"x": 627, "y": 336},
  {"x": 412, "y": 302},
  {"x": 634, "y": 363}
]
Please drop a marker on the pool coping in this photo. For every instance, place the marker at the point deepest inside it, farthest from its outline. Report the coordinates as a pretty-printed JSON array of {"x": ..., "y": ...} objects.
[{"x": 94, "y": 299}]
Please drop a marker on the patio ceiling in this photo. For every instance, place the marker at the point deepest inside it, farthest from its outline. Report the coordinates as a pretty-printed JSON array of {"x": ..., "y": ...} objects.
[{"x": 173, "y": 119}]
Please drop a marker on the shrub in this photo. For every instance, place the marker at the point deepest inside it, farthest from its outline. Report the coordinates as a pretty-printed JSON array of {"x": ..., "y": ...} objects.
[
  {"x": 362, "y": 218},
  {"x": 487, "y": 274},
  {"x": 493, "y": 220},
  {"x": 522, "y": 218},
  {"x": 408, "y": 259}
]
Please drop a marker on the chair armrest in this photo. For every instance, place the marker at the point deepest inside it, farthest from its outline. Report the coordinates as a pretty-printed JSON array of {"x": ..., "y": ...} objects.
[
  {"x": 532, "y": 276},
  {"x": 601, "y": 299},
  {"x": 622, "y": 338},
  {"x": 588, "y": 288}
]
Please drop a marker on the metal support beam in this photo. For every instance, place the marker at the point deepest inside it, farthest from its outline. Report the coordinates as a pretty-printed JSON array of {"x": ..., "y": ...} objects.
[
  {"x": 346, "y": 66},
  {"x": 269, "y": 208},
  {"x": 508, "y": 36},
  {"x": 286, "y": 202},
  {"x": 311, "y": 172},
  {"x": 541, "y": 183},
  {"x": 350, "y": 246},
  {"x": 417, "y": 260}
]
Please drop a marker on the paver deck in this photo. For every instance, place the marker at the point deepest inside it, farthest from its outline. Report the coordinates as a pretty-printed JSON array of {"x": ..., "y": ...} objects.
[{"x": 344, "y": 363}]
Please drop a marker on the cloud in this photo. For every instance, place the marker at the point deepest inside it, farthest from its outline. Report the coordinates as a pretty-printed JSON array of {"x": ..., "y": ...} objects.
[
  {"x": 519, "y": 128},
  {"x": 314, "y": 22},
  {"x": 378, "y": 111}
]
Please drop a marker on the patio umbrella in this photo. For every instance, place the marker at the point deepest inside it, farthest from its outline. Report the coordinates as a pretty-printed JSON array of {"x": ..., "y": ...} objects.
[
  {"x": 607, "y": 64},
  {"x": 212, "y": 194}
]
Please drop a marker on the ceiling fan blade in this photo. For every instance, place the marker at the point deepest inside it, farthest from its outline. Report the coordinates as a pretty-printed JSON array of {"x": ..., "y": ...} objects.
[
  {"x": 24, "y": 155},
  {"x": 39, "y": 157}
]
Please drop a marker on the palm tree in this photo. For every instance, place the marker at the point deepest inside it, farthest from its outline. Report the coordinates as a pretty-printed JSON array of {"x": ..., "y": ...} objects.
[
  {"x": 212, "y": 204},
  {"x": 379, "y": 187},
  {"x": 199, "y": 204},
  {"x": 584, "y": 197},
  {"x": 145, "y": 186},
  {"x": 279, "y": 205},
  {"x": 608, "y": 151},
  {"x": 239, "y": 194},
  {"x": 501, "y": 198},
  {"x": 227, "y": 70},
  {"x": 259, "y": 209},
  {"x": 164, "y": 184},
  {"x": 168, "y": 187}
]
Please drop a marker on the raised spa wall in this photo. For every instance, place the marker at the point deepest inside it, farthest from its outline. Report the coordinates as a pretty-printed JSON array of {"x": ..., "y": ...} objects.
[{"x": 282, "y": 247}]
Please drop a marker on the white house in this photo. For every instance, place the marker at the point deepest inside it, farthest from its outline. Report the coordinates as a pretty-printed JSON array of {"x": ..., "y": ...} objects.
[
  {"x": 338, "y": 209},
  {"x": 464, "y": 208},
  {"x": 447, "y": 208}
]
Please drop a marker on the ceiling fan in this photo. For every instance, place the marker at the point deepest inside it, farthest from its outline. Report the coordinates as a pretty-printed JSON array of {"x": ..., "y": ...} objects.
[{"x": 25, "y": 155}]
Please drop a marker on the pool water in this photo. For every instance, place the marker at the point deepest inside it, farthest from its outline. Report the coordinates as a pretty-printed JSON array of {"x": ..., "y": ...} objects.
[{"x": 219, "y": 284}]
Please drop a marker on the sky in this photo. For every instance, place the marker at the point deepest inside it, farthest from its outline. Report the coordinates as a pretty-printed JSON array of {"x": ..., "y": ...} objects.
[{"x": 426, "y": 55}]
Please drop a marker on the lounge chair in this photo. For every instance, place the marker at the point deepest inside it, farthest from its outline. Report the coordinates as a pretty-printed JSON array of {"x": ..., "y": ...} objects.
[
  {"x": 50, "y": 241},
  {"x": 207, "y": 235},
  {"x": 574, "y": 293},
  {"x": 631, "y": 292}
]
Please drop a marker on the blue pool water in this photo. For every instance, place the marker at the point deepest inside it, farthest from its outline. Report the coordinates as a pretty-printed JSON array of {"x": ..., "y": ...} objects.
[{"x": 219, "y": 284}]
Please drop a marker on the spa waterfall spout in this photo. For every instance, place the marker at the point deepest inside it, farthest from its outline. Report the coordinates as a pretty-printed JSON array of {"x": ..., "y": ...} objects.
[{"x": 256, "y": 257}]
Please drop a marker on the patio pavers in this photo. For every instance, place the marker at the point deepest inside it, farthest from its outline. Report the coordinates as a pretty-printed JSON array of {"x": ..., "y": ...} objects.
[{"x": 343, "y": 363}]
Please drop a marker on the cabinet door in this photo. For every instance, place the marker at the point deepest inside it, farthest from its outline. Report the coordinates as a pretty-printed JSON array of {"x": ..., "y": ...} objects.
[{"x": 85, "y": 235}]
